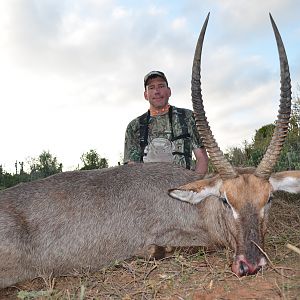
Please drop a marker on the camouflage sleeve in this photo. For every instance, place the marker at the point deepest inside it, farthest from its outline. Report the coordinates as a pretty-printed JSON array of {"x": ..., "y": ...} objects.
[
  {"x": 196, "y": 139},
  {"x": 132, "y": 147}
]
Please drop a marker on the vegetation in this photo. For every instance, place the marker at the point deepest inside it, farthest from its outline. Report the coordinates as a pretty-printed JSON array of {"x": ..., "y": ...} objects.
[
  {"x": 41, "y": 167},
  {"x": 92, "y": 160},
  {"x": 251, "y": 153},
  {"x": 46, "y": 165}
]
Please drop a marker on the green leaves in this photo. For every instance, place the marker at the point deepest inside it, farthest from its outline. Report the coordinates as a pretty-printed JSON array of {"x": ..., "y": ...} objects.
[{"x": 92, "y": 160}]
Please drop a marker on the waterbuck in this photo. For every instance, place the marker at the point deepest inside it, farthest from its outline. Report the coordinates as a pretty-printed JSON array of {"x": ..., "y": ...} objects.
[{"x": 81, "y": 219}]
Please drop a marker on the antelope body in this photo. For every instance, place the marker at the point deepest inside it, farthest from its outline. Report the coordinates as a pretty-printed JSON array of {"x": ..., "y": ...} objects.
[
  {"x": 80, "y": 219},
  {"x": 88, "y": 219}
]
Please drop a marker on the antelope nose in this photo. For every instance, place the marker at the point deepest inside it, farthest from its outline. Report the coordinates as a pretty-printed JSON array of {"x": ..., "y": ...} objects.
[
  {"x": 243, "y": 269},
  {"x": 246, "y": 269}
]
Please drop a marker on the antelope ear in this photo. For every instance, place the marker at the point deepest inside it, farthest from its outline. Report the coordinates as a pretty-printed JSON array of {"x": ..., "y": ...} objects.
[
  {"x": 288, "y": 181},
  {"x": 196, "y": 191}
]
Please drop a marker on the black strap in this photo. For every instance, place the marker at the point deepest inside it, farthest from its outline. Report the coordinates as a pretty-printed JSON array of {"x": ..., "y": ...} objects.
[
  {"x": 144, "y": 121},
  {"x": 170, "y": 113}
]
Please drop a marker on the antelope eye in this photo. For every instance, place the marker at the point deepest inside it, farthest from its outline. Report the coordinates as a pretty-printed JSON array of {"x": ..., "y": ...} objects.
[
  {"x": 270, "y": 199},
  {"x": 224, "y": 200}
]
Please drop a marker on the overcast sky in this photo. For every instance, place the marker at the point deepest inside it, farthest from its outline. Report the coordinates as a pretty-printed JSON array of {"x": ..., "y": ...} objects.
[{"x": 72, "y": 70}]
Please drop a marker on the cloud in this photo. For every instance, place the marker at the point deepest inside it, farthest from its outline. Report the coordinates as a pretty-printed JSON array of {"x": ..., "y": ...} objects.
[{"x": 72, "y": 71}]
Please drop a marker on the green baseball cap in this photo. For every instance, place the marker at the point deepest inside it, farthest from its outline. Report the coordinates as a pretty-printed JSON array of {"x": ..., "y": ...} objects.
[{"x": 154, "y": 74}]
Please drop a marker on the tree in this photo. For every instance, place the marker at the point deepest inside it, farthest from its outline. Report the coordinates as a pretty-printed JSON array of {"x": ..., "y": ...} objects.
[
  {"x": 7, "y": 180},
  {"x": 263, "y": 137},
  {"x": 253, "y": 152},
  {"x": 44, "y": 166},
  {"x": 296, "y": 109},
  {"x": 295, "y": 119},
  {"x": 92, "y": 160},
  {"x": 236, "y": 156}
]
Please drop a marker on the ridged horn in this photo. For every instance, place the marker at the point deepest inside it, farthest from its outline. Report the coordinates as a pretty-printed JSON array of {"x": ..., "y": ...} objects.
[
  {"x": 223, "y": 167},
  {"x": 271, "y": 156}
]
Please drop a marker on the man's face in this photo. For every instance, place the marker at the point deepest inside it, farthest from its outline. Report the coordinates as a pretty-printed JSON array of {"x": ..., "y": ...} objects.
[{"x": 157, "y": 93}]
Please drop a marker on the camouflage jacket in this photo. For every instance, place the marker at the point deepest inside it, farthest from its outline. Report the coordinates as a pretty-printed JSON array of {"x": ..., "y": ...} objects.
[{"x": 182, "y": 133}]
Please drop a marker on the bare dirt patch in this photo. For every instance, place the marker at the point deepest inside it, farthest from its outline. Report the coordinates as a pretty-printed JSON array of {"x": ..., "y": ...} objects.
[{"x": 186, "y": 275}]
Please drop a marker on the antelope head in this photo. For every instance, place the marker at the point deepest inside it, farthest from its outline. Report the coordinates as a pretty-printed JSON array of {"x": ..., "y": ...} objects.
[{"x": 245, "y": 196}]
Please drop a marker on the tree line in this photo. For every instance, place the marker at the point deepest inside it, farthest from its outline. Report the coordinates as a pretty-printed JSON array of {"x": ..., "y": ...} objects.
[
  {"x": 249, "y": 155},
  {"x": 45, "y": 165}
]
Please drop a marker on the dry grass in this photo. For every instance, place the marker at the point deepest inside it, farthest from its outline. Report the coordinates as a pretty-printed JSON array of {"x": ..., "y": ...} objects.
[{"x": 186, "y": 275}]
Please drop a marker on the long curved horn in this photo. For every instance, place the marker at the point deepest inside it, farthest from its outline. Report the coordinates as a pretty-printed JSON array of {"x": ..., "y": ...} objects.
[
  {"x": 267, "y": 163},
  {"x": 217, "y": 157}
]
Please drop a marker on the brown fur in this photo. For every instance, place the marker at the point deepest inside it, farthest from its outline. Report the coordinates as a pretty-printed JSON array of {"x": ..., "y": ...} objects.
[{"x": 247, "y": 188}]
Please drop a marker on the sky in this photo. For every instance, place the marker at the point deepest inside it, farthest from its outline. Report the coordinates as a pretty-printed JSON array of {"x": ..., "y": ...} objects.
[{"x": 71, "y": 71}]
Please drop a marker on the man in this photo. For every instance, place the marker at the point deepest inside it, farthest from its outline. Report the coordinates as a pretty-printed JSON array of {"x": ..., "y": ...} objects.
[{"x": 165, "y": 132}]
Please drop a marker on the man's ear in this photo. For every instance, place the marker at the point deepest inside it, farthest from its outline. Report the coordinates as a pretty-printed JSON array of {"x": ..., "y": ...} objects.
[{"x": 196, "y": 191}]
